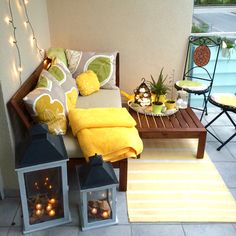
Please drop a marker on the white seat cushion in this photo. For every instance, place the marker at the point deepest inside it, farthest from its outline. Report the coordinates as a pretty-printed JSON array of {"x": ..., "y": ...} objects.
[
  {"x": 102, "y": 98},
  {"x": 191, "y": 85}
]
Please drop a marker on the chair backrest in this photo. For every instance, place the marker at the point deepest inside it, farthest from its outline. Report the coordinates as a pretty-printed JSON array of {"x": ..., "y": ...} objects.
[{"x": 201, "y": 59}]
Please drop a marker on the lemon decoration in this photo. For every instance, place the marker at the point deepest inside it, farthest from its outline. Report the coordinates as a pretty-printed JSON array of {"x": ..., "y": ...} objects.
[{"x": 52, "y": 113}]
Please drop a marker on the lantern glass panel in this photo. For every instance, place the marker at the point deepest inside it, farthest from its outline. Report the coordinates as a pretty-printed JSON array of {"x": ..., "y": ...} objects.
[
  {"x": 99, "y": 205},
  {"x": 44, "y": 195}
]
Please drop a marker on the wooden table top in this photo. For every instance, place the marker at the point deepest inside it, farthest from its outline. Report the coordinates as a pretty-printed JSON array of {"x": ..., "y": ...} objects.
[{"x": 183, "y": 120}]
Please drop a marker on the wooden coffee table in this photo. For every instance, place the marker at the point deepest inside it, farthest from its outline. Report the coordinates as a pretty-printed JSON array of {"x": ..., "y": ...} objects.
[{"x": 183, "y": 124}]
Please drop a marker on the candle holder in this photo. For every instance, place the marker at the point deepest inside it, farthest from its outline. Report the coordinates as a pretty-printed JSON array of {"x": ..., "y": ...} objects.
[
  {"x": 97, "y": 198},
  {"x": 42, "y": 175},
  {"x": 142, "y": 95}
]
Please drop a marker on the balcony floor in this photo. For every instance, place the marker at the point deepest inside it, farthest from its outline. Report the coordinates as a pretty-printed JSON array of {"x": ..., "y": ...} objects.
[{"x": 225, "y": 162}]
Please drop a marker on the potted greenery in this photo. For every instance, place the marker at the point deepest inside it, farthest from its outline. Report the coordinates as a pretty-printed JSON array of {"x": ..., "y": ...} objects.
[
  {"x": 171, "y": 103},
  {"x": 227, "y": 47},
  {"x": 159, "y": 89}
]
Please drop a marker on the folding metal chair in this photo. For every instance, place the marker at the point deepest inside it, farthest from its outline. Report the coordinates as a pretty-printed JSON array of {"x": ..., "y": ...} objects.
[
  {"x": 199, "y": 69},
  {"x": 227, "y": 102}
]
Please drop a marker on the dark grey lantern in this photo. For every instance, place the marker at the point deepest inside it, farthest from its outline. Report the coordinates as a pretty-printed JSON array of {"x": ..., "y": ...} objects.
[
  {"x": 97, "y": 193},
  {"x": 41, "y": 165}
]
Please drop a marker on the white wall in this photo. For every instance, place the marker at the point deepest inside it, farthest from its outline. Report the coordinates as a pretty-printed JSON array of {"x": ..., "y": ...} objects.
[
  {"x": 148, "y": 34},
  {"x": 9, "y": 77}
]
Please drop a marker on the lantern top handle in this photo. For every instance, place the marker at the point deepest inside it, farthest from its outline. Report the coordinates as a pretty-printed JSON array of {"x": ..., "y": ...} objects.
[{"x": 96, "y": 160}]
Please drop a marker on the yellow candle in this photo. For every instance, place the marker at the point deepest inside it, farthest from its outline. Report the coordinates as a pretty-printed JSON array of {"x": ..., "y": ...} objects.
[
  {"x": 52, "y": 200},
  {"x": 38, "y": 212},
  {"x": 49, "y": 207},
  {"x": 38, "y": 206},
  {"x": 94, "y": 211},
  {"x": 52, "y": 213},
  {"x": 105, "y": 214}
]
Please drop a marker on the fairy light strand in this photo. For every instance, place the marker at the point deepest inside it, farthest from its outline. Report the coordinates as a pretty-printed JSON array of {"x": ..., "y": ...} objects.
[
  {"x": 40, "y": 51},
  {"x": 14, "y": 39}
]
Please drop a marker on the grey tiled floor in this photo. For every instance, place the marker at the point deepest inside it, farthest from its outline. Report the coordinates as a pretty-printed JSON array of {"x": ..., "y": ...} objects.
[{"x": 225, "y": 162}]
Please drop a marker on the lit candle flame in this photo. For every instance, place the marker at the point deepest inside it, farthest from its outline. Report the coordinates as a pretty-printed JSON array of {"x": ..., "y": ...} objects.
[
  {"x": 38, "y": 206},
  {"x": 105, "y": 215},
  {"x": 38, "y": 212},
  {"x": 52, "y": 213},
  {"x": 49, "y": 207},
  {"x": 52, "y": 200},
  {"x": 94, "y": 211}
]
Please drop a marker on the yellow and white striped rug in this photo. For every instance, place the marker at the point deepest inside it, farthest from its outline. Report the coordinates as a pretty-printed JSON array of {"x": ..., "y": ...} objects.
[{"x": 168, "y": 184}]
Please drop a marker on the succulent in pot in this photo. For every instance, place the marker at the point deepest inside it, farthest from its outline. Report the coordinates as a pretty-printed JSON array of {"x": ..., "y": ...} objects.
[{"x": 159, "y": 89}]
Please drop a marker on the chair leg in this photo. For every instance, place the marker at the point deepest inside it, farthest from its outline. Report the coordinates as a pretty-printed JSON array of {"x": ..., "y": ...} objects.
[
  {"x": 224, "y": 143},
  {"x": 205, "y": 107},
  {"x": 230, "y": 138},
  {"x": 232, "y": 121},
  {"x": 214, "y": 119}
]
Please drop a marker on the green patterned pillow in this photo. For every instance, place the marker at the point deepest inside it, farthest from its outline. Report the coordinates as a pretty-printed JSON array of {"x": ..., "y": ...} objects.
[
  {"x": 53, "y": 53},
  {"x": 68, "y": 84},
  {"x": 46, "y": 104},
  {"x": 103, "y": 64}
]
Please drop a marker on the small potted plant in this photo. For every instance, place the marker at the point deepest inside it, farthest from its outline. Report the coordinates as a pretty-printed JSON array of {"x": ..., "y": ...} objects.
[
  {"x": 227, "y": 47},
  {"x": 171, "y": 103},
  {"x": 159, "y": 89}
]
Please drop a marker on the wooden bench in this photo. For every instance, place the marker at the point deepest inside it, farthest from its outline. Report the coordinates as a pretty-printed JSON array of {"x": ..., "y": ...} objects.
[{"x": 17, "y": 109}]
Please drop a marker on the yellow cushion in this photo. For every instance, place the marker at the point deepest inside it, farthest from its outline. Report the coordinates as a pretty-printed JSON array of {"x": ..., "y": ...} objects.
[
  {"x": 225, "y": 99},
  {"x": 87, "y": 83}
]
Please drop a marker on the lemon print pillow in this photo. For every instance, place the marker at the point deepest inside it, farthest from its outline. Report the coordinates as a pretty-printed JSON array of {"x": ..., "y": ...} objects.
[
  {"x": 63, "y": 76},
  {"x": 46, "y": 104},
  {"x": 102, "y": 64}
]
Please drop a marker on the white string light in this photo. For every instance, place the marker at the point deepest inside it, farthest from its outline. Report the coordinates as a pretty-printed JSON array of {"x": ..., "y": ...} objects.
[
  {"x": 13, "y": 39},
  {"x": 33, "y": 38}
]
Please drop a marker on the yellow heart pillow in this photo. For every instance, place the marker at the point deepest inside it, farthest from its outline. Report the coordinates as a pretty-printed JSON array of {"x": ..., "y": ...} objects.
[{"x": 87, "y": 83}]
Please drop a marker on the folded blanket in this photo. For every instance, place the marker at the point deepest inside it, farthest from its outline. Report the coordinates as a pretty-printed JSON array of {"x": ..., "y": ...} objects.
[{"x": 110, "y": 132}]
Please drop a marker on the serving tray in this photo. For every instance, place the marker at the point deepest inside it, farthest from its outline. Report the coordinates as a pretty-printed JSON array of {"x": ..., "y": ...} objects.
[{"x": 148, "y": 110}]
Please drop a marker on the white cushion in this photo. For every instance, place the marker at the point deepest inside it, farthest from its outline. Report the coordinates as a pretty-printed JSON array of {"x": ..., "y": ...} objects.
[{"x": 102, "y": 98}]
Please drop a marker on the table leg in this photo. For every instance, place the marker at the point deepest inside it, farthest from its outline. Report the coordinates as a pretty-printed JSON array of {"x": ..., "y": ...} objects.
[{"x": 201, "y": 145}]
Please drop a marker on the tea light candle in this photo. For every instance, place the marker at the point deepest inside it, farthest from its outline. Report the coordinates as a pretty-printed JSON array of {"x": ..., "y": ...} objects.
[
  {"x": 94, "y": 211},
  {"x": 105, "y": 215},
  {"x": 52, "y": 213},
  {"x": 52, "y": 200},
  {"x": 38, "y": 212},
  {"x": 49, "y": 207},
  {"x": 38, "y": 206}
]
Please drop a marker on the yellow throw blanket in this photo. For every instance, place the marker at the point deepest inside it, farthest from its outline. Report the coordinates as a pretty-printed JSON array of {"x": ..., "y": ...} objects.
[{"x": 109, "y": 132}]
